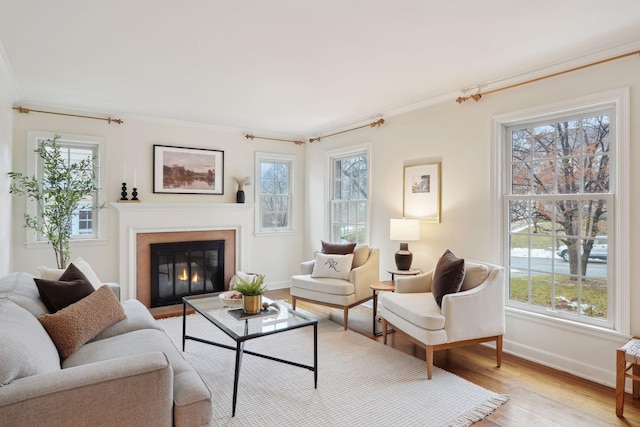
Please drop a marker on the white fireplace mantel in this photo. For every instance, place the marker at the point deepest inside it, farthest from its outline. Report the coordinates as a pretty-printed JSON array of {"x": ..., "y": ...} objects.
[{"x": 134, "y": 218}]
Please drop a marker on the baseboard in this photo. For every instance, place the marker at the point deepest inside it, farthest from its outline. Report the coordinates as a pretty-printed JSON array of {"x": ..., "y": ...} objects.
[{"x": 272, "y": 286}]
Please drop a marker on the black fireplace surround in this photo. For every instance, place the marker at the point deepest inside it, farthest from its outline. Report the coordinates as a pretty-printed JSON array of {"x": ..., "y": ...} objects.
[{"x": 185, "y": 268}]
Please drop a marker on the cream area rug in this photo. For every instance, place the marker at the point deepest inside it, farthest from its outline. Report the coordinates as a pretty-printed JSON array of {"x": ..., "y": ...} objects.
[{"x": 361, "y": 382}]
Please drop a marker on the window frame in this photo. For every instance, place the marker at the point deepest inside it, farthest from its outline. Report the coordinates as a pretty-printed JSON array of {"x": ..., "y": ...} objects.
[
  {"x": 263, "y": 157},
  {"x": 33, "y": 168},
  {"x": 619, "y": 222},
  {"x": 332, "y": 157}
]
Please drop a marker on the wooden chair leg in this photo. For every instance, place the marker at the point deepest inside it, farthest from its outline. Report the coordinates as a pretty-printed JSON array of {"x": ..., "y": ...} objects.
[
  {"x": 293, "y": 303},
  {"x": 429, "y": 361},
  {"x": 499, "y": 350},
  {"x": 636, "y": 384},
  {"x": 621, "y": 366},
  {"x": 346, "y": 318}
]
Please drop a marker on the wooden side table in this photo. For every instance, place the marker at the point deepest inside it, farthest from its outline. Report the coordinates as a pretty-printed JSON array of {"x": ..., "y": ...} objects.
[
  {"x": 388, "y": 285},
  {"x": 410, "y": 272}
]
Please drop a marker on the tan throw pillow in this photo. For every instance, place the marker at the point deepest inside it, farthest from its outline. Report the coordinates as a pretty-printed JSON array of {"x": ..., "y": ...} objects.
[
  {"x": 48, "y": 273},
  {"x": 474, "y": 275},
  {"x": 332, "y": 266},
  {"x": 337, "y": 248},
  {"x": 76, "y": 324},
  {"x": 72, "y": 286},
  {"x": 448, "y": 276}
]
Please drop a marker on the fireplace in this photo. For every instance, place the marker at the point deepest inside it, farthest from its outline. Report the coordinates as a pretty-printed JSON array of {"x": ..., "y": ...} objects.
[{"x": 185, "y": 268}]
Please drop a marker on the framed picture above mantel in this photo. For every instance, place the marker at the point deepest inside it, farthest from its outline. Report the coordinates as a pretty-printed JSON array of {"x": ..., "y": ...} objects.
[
  {"x": 421, "y": 193},
  {"x": 182, "y": 170}
]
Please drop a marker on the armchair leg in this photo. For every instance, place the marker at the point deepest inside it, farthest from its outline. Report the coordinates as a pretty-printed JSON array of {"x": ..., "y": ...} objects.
[
  {"x": 293, "y": 303},
  {"x": 499, "y": 350},
  {"x": 384, "y": 331},
  {"x": 346, "y": 318},
  {"x": 429, "y": 361}
]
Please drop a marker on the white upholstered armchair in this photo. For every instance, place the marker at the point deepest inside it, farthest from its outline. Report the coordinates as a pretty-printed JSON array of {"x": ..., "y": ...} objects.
[
  {"x": 343, "y": 293},
  {"x": 474, "y": 314}
]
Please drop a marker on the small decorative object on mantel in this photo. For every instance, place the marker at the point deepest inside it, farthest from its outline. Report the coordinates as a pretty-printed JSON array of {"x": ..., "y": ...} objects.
[
  {"x": 241, "y": 183},
  {"x": 251, "y": 291},
  {"x": 123, "y": 193}
]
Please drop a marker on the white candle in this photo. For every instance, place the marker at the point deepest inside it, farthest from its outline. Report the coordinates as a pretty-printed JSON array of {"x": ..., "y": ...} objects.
[
  {"x": 124, "y": 173},
  {"x": 135, "y": 178}
]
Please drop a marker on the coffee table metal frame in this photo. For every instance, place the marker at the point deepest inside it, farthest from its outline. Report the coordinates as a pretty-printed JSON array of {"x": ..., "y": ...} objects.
[{"x": 240, "y": 339}]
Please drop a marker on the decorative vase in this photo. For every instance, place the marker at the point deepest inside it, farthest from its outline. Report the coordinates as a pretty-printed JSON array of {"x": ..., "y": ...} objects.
[
  {"x": 252, "y": 304},
  {"x": 240, "y": 196}
]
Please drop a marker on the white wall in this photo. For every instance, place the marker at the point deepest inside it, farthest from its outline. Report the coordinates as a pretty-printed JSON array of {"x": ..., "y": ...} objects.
[
  {"x": 132, "y": 143},
  {"x": 460, "y": 136},
  {"x": 6, "y": 126}
]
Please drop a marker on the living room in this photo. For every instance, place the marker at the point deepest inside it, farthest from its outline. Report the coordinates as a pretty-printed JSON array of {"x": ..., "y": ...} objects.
[{"x": 463, "y": 137}]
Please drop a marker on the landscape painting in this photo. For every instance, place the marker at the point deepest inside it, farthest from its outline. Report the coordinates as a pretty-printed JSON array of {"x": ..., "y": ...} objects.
[{"x": 187, "y": 170}]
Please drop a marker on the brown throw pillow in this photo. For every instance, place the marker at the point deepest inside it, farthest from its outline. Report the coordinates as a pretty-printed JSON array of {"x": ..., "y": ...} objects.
[
  {"x": 72, "y": 286},
  {"x": 337, "y": 248},
  {"x": 76, "y": 324},
  {"x": 448, "y": 276}
]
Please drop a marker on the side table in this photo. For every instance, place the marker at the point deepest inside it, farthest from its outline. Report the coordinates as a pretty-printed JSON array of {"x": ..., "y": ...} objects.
[
  {"x": 410, "y": 272},
  {"x": 376, "y": 287}
]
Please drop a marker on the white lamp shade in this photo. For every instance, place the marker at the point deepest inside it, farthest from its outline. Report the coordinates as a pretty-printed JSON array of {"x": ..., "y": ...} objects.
[{"x": 404, "y": 230}]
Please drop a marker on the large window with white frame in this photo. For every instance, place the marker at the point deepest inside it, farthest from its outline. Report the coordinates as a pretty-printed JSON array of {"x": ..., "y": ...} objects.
[
  {"x": 275, "y": 192},
  {"x": 562, "y": 212},
  {"x": 86, "y": 222},
  {"x": 349, "y": 196}
]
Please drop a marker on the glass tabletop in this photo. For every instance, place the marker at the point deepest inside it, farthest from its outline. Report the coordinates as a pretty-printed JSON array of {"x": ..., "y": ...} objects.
[{"x": 212, "y": 308}]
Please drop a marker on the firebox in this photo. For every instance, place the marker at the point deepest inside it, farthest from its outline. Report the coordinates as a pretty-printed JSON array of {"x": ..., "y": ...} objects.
[{"x": 185, "y": 268}]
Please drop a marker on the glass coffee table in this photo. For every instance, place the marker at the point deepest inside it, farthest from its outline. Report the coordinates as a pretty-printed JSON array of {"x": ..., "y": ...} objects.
[{"x": 242, "y": 327}]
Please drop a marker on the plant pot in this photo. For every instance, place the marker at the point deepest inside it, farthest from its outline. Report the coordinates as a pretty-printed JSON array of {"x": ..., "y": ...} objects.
[{"x": 252, "y": 304}]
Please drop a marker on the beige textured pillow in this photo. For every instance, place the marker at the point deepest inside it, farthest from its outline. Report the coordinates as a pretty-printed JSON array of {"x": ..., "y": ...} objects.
[
  {"x": 474, "y": 275},
  {"x": 76, "y": 324}
]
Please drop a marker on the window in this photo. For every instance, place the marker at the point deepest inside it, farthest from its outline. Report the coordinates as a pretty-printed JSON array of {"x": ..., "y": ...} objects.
[
  {"x": 275, "y": 195},
  {"x": 349, "y": 203},
  {"x": 560, "y": 213},
  {"x": 85, "y": 223}
]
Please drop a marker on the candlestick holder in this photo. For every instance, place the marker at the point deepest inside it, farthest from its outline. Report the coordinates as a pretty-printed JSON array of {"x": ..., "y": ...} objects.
[
  {"x": 134, "y": 194},
  {"x": 124, "y": 191}
]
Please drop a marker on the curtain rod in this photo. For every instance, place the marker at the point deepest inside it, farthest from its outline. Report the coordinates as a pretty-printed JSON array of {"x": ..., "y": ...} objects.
[
  {"x": 476, "y": 97},
  {"x": 24, "y": 110},
  {"x": 252, "y": 137},
  {"x": 378, "y": 123}
]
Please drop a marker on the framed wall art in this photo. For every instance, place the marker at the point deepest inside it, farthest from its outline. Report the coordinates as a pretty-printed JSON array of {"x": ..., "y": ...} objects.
[
  {"x": 422, "y": 192},
  {"x": 187, "y": 170}
]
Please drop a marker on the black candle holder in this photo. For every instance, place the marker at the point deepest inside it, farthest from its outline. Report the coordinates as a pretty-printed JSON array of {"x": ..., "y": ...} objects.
[
  {"x": 134, "y": 194},
  {"x": 124, "y": 191}
]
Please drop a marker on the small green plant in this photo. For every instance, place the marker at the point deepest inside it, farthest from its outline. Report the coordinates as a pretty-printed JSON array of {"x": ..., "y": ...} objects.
[
  {"x": 58, "y": 194},
  {"x": 254, "y": 287}
]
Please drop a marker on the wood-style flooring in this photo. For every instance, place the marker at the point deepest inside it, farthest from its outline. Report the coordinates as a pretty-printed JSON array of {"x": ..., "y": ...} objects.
[{"x": 539, "y": 396}]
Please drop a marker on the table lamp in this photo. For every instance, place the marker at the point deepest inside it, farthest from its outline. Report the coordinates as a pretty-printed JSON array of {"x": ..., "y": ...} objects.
[{"x": 404, "y": 230}]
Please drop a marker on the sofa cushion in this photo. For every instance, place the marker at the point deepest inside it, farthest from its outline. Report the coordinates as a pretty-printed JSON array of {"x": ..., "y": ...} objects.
[
  {"x": 448, "y": 276},
  {"x": 138, "y": 317},
  {"x": 76, "y": 324},
  {"x": 360, "y": 255},
  {"x": 72, "y": 286},
  {"x": 420, "y": 309},
  {"x": 190, "y": 395},
  {"x": 22, "y": 290},
  {"x": 337, "y": 248},
  {"x": 25, "y": 347},
  {"x": 474, "y": 275},
  {"x": 332, "y": 266}
]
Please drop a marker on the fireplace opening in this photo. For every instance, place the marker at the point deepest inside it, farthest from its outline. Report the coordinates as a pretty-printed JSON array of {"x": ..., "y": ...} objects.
[{"x": 185, "y": 268}]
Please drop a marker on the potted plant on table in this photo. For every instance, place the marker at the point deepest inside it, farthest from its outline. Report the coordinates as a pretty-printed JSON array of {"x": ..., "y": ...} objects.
[{"x": 251, "y": 291}]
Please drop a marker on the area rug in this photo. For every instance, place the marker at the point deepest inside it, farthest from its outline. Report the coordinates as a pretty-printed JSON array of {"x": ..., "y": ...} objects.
[{"x": 361, "y": 382}]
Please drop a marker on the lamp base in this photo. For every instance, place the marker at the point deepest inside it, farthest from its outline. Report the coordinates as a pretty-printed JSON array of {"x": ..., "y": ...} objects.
[{"x": 404, "y": 257}]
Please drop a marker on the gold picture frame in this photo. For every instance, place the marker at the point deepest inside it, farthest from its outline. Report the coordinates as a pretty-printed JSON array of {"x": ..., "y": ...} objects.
[{"x": 422, "y": 186}]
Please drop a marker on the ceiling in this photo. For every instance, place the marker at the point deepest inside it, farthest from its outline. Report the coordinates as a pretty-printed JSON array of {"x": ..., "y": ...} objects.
[{"x": 290, "y": 67}]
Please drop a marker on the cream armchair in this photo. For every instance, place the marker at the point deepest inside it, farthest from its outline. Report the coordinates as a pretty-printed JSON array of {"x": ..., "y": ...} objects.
[
  {"x": 339, "y": 293},
  {"x": 473, "y": 315}
]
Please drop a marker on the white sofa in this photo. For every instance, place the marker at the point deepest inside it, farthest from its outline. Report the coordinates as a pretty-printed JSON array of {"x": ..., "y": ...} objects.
[
  {"x": 473, "y": 315},
  {"x": 130, "y": 374}
]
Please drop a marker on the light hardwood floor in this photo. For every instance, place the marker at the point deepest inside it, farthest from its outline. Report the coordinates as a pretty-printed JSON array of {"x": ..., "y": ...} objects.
[{"x": 539, "y": 396}]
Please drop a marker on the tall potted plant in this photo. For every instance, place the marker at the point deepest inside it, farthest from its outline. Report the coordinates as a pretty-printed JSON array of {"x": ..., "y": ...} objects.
[{"x": 58, "y": 193}]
